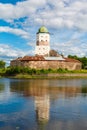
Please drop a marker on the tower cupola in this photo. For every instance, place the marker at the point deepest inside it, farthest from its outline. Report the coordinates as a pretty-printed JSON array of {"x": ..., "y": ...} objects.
[{"x": 43, "y": 29}]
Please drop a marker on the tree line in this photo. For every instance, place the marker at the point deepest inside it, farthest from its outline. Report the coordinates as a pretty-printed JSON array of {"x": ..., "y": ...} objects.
[
  {"x": 2, "y": 64},
  {"x": 81, "y": 59}
]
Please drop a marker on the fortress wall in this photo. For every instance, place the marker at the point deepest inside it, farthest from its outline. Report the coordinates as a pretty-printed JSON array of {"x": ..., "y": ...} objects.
[{"x": 48, "y": 64}]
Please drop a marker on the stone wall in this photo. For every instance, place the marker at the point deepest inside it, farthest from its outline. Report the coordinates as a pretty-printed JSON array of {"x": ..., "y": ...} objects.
[{"x": 48, "y": 64}]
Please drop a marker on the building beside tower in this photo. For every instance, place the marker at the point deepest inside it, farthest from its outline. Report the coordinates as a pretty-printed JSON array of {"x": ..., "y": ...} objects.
[{"x": 42, "y": 58}]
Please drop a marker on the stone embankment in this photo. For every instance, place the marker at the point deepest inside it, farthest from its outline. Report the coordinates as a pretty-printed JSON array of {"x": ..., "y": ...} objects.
[
  {"x": 68, "y": 75},
  {"x": 62, "y": 75}
]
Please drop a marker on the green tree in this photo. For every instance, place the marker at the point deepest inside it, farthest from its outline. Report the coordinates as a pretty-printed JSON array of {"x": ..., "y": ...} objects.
[
  {"x": 2, "y": 64},
  {"x": 73, "y": 57},
  {"x": 84, "y": 62},
  {"x": 81, "y": 59}
]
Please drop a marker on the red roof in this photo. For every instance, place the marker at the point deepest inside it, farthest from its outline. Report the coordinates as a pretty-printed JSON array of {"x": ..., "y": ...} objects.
[
  {"x": 32, "y": 58},
  {"x": 71, "y": 60},
  {"x": 41, "y": 58}
]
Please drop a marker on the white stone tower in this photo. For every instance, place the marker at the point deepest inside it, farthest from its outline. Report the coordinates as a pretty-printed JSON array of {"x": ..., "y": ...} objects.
[{"x": 42, "y": 42}]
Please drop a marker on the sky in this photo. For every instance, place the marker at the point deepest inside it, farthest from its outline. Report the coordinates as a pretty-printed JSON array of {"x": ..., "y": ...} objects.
[{"x": 20, "y": 20}]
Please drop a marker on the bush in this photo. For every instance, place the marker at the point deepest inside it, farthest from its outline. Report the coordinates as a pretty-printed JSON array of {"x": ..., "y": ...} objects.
[
  {"x": 60, "y": 70},
  {"x": 13, "y": 70},
  {"x": 24, "y": 70},
  {"x": 2, "y": 64}
]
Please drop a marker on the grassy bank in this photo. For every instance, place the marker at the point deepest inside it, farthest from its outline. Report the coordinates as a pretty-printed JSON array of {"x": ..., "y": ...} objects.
[
  {"x": 48, "y": 76},
  {"x": 18, "y": 72}
]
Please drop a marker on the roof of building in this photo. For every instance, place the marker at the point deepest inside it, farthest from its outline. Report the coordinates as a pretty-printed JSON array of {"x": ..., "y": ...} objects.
[
  {"x": 41, "y": 58},
  {"x": 43, "y": 29},
  {"x": 54, "y": 58},
  {"x": 71, "y": 60},
  {"x": 32, "y": 58}
]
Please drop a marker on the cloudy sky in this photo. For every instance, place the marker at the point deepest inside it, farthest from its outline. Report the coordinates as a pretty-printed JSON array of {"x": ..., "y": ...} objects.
[{"x": 66, "y": 21}]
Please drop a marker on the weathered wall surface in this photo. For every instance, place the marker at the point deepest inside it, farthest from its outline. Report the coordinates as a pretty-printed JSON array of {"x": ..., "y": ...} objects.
[{"x": 48, "y": 64}]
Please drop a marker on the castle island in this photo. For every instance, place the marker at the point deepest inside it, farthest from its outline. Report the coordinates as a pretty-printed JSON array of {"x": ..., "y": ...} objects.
[{"x": 42, "y": 58}]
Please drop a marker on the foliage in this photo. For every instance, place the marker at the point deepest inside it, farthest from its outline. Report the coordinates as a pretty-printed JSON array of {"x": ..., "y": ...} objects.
[
  {"x": 2, "y": 87},
  {"x": 23, "y": 71},
  {"x": 81, "y": 59},
  {"x": 84, "y": 89},
  {"x": 2, "y": 64}
]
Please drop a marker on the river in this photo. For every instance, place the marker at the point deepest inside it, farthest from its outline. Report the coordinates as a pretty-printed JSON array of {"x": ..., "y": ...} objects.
[{"x": 36, "y": 104}]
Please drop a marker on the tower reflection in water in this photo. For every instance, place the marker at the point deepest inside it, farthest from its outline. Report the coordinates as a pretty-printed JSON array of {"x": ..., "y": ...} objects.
[
  {"x": 42, "y": 106},
  {"x": 41, "y": 100},
  {"x": 39, "y": 90},
  {"x": 44, "y": 92}
]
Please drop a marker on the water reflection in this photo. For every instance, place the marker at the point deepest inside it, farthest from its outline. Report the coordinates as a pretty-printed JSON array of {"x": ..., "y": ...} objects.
[
  {"x": 42, "y": 107},
  {"x": 42, "y": 87},
  {"x": 1, "y": 87},
  {"x": 43, "y": 93},
  {"x": 43, "y": 104},
  {"x": 40, "y": 91}
]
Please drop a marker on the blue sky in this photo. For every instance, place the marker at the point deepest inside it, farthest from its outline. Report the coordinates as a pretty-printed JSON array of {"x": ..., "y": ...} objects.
[{"x": 66, "y": 21}]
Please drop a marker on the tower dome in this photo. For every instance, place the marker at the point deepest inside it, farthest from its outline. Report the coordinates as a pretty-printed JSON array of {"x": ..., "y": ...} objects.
[{"x": 43, "y": 29}]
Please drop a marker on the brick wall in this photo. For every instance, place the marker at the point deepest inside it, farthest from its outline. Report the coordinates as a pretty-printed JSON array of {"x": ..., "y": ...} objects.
[{"x": 48, "y": 64}]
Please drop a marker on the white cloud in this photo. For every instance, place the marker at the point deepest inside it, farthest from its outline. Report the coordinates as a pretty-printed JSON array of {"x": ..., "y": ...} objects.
[
  {"x": 72, "y": 15},
  {"x": 15, "y": 31},
  {"x": 21, "y": 9},
  {"x": 31, "y": 44},
  {"x": 71, "y": 48},
  {"x": 8, "y": 52},
  {"x": 55, "y": 14},
  {"x": 60, "y": 13}
]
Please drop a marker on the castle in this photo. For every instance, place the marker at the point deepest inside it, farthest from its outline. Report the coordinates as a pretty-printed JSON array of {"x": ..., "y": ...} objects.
[{"x": 42, "y": 58}]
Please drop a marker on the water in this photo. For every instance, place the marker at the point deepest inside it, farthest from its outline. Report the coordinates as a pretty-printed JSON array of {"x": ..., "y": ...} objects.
[{"x": 43, "y": 104}]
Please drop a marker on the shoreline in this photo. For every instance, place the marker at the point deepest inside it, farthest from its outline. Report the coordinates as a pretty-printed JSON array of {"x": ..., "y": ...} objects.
[{"x": 48, "y": 76}]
